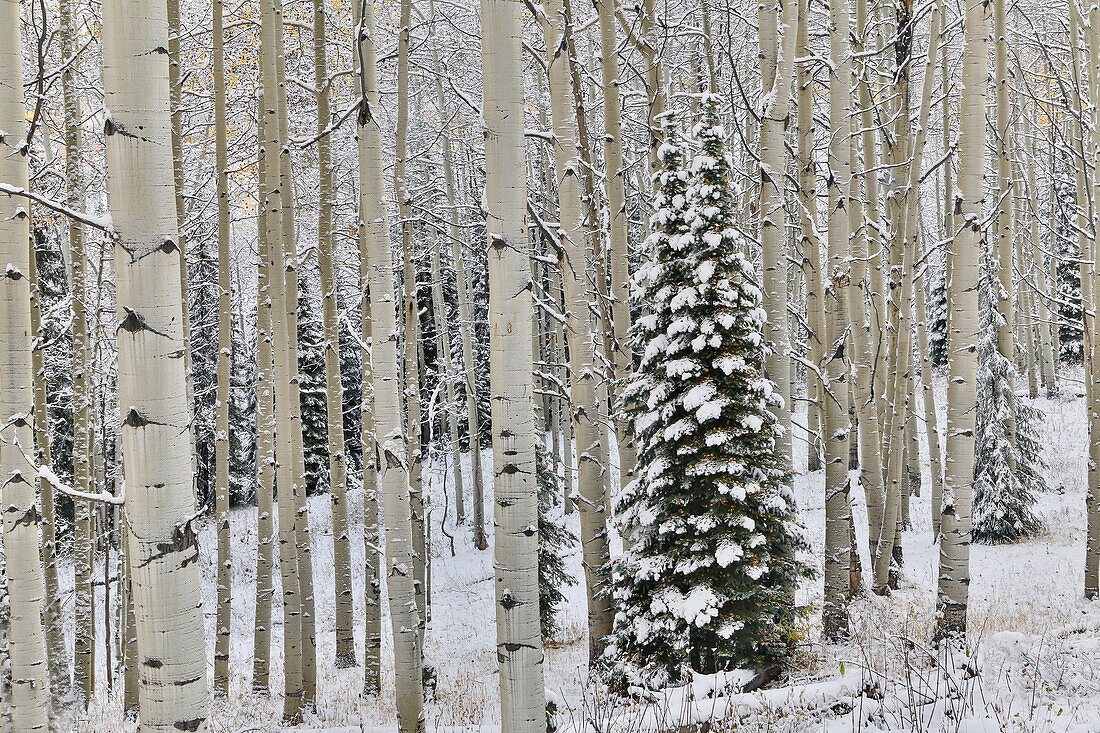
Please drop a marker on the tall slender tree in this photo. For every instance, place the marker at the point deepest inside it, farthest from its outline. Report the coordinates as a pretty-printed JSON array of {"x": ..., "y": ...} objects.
[{"x": 152, "y": 386}]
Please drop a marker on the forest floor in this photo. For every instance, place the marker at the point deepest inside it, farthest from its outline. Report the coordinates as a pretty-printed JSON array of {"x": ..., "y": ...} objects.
[{"x": 1032, "y": 664}]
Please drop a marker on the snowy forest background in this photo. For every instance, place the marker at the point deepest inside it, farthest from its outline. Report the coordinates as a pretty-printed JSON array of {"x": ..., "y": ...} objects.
[{"x": 815, "y": 276}]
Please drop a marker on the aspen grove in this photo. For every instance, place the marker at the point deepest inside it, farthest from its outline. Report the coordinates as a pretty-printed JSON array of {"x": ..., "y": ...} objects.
[{"x": 648, "y": 366}]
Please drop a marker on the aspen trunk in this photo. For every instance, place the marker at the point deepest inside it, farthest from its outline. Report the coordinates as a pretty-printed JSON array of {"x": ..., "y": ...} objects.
[
  {"x": 151, "y": 380},
  {"x": 837, "y": 513},
  {"x": 954, "y": 565},
  {"x": 84, "y": 636},
  {"x": 1006, "y": 334},
  {"x": 859, "y": 294},
  {"x": 265, "y": 428},
  {"x": 337, "y": 458},
  {"x": 388, "y": 439},
  {"x": 26, "y": 647},
  {"x": 777, "y": 66},
  {"x": 616, "y": 201},
  {"x": 519, "y": 648},
  {"x": 224, "y": 364},
  {"x": 175, "y": 97},
  {"x": 411, "y": 311},
  {"x": 581, "y": 333},
  {"x": 809, "y": 241},
  {"x": 372, "y": 601},
  {"x": 288, "y": 262},
  {"x": 288, "y": 556},
  {"x": 1089, "y": 268}
]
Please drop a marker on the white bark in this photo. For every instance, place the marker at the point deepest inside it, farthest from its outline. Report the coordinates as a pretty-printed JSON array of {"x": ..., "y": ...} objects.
[
  {"x": 519, "y": 645},
  {"x": 389, "y": 437},
  {"x": 954, "y": 565},
  {"x": 26, "y": 647},
  {"x": 151, "y": 380}
]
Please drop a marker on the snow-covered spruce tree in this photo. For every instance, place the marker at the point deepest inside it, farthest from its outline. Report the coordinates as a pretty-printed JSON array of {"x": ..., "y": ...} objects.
[
  {"x": 937, "y": 316},
  {"x": 1067, "y": 270},
  {"x": 1006, "y": 477},
  {"x": 707, "y": 579},
  {"x": 554, "y": 540},
  {"x": 242, "y": 415},
  {"x": 311, "y": 389}
]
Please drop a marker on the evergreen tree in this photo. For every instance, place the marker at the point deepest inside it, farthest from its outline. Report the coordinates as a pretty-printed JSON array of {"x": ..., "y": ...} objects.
[
  {"x": 351, "y": 381},
  {"x": 242, "y": 417},
  {"x": 1006, "y": 477},
  {"x": 711, "y": 567},
  {"x": 203, "y": 309},
  {"x": 1067, "y": 271},
  {"x": 554, "y": 539},
  {"x": 937, "y": 316},
  {"x": 311, "y": 386},
  {"x": 57, "y": 342}
]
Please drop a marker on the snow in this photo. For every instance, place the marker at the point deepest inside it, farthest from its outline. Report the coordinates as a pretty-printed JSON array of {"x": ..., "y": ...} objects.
[{"x": 1035, "y": 642}]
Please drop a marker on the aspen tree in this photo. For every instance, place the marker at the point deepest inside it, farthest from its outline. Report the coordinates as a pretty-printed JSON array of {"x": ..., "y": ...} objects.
[
  {"x": 84, "y": 633},
  {"x": 808, "y": 239},
  {"x": 954, "y": 564},
  {"x": 581, "y": 332},
  {"x": 388, "y": 437},
  {"x": 337, "y": 453},
  {"x": 1001, "y": 141},
  {"x": 57, "y": 652},
  {"x": 411, "y": 311},
  {"x": 519, "y": 648},
  {"x": 180, "y": 186},
  {"x": 224, "y": 364},
  {"x": 25, "y": 645},
  {"x": 1089, "y": 268},
  {"x": 372, "y": 607},
  {"x": 162, "y": 544},
  {"x": 777, "y": 67},
  {"x": 284, "y": 462},
  {"x": 837, "y": 512},
  {"x": 288, "y": 262},
  {"x": 617, "y": 220},
  {"x": 265, "y": 423},
  {"x": 859, "y": 296}
]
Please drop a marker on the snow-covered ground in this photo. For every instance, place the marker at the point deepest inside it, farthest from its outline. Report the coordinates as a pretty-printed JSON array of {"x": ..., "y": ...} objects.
[{"x": 1034, "y": 654}]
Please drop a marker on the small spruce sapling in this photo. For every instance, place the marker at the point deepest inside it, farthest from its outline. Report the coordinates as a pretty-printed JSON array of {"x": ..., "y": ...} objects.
[{"x": 1006, "y": 476}]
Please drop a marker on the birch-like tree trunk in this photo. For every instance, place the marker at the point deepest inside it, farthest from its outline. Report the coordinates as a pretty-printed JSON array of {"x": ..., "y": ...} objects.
[
  {"x": 388, "y": 438},
  {"x": 1001, "y": 141},
  {"x": 411, "y": 311},
  {"x": 334, "y": 391},
  {"x": 84, "y": 634},
  {"x": 617, "y": 227},
  {"x": 809, "y": 241},
  {"x": 26, "y": 647},
  {"x": 224, "y": 365},
  {"x": 954, "y": 565},
  {"x": 776, "y": 69},
  {"x": 519, "y": 647},
  {"x": 1089, "y": 268},
  {"x": 860, "y": 317},
  {"x": 837, "y": 512},
  {"x": 581, "y": 332},
  {"x": 289, "y": 263},
  {"x": 151, "y": 371},
  {"x": 372, "y": 543},
  {"x": 265, "y": 426},
  {"x": 270, "y": 36},
  {"x": 180, "y": 187}
]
